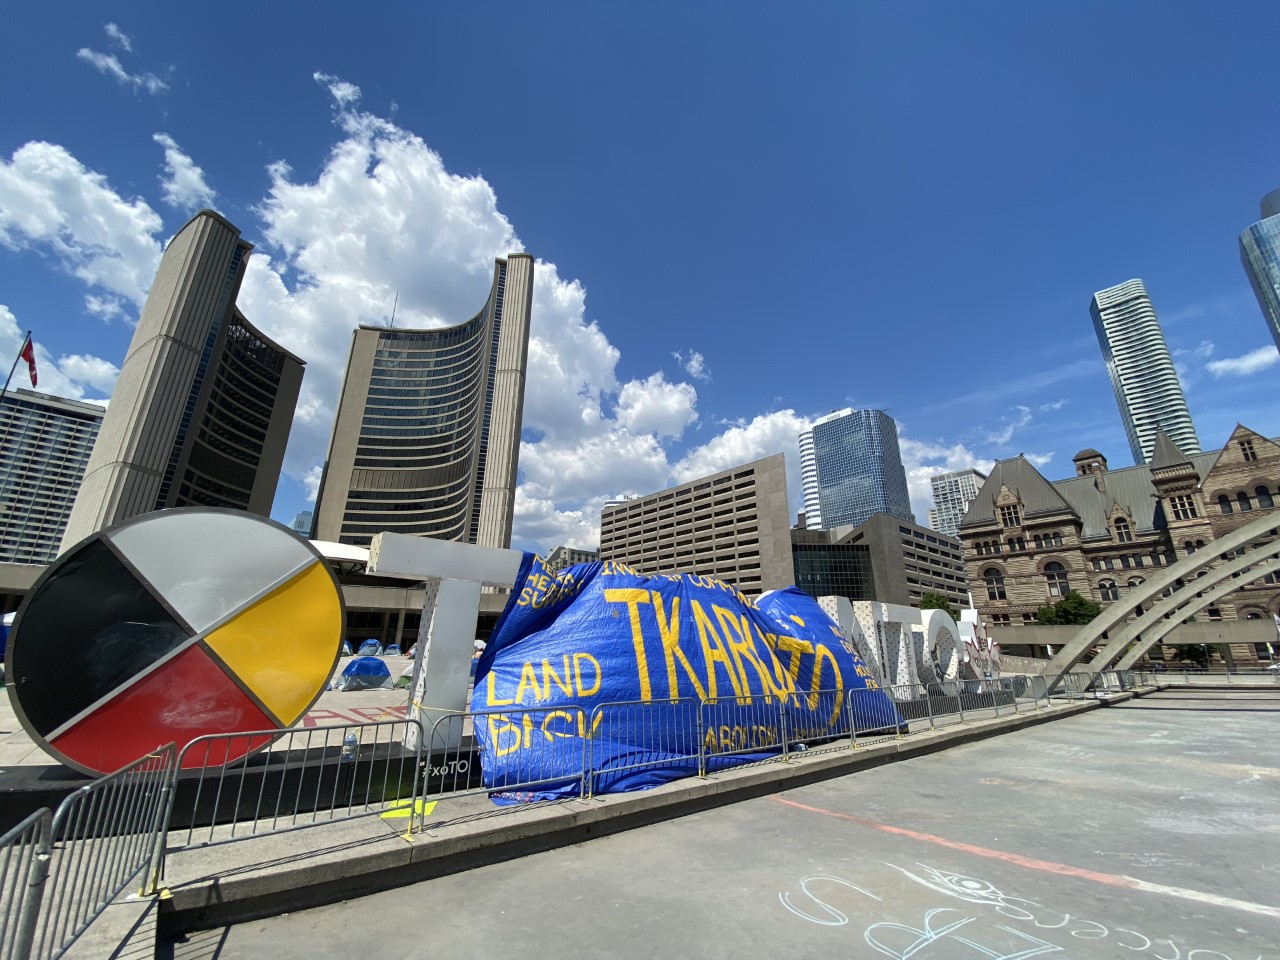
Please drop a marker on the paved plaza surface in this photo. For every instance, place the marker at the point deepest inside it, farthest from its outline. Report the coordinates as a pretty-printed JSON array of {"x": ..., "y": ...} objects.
[{"x": 1149, "y": 829}]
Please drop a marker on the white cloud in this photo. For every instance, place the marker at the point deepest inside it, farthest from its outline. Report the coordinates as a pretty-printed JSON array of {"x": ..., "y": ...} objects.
[
  {"x": 762, "y": 436},
  {"x": 694, "y": 364},
  {"x": 344, "y": 94},
  {"x": 1020, "y": 419},
  {"x": 656, "y": 406},
  {"x": 923, "y": 460},
  {"x": 90, "y": 371},
  {"x": 119, "y": 36},
  {"x": 183, "y": 186},
  {"x": 1054, "y": 405},
  {"x": 110, "y": 64},
  {"x": 76, "y": 377},
  {"x": 1246, "y": 365},
  {"x": 53, "y": 204},
  {"x": 1040, "y": 459},
  {"x": 105, "y": 308}
]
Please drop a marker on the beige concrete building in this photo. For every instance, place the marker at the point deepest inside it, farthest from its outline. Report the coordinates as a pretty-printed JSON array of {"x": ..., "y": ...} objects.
[
  {"x": 562, "y": 557},
  {"x": 1027, "y": 542},
  {"x": 201, "y": 410},
  {"x": 427, "y": 436},
  {"x": 733, "y": 526}
]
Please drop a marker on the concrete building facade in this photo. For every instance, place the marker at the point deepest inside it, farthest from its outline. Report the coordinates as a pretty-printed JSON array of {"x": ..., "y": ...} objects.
[
  {"x": 732, "y": 525},
  {"x": 1260, "y": 257},
  {"x": 426, "y": 440},
  {"x": 201, "y": 411},
  {"x": 851, "y": 468},
  {"x": 1143, "y": 377},
  {"x": 952, "y": 494},
  {"x": 562, "y": 557},
  {"x": 1027, "y": 542},
  {"x": 45, "y": 444}
]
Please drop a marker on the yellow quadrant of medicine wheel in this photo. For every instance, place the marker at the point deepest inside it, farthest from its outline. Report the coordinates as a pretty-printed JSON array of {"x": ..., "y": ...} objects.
[{"x": 283, "y": 647}]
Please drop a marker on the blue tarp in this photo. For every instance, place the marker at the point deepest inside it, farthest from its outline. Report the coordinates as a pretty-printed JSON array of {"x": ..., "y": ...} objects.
[
  {"x": 599, "y": 633},
  {"x": 364, "y": 673}
]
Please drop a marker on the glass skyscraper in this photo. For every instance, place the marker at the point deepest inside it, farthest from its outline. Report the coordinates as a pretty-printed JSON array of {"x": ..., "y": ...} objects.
[
  {"x": 1145, "y": 382},
  {"x": 1260, "y": 255},
  {"x": 851, "y": 468}
]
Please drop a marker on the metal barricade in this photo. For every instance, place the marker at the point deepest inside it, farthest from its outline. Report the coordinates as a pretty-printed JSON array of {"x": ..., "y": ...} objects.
[
  {"x": 817, "y": 720},
  {"x": 103, "y": 836},
  {"x": 739, "y": 725},
  {"x": 945, "y": 706},
  {"x": 874, "y": 717},
  {"x": 534, "y": 750},
  {"x": 309, "y": 775},
  {"x": 653, "y": 735},
  {"x": 1003, "y": 696},
  {"x": 913, "y": 705},
  {"x": 1031, "y": 688},
  {"x": 24, "y": 864}
]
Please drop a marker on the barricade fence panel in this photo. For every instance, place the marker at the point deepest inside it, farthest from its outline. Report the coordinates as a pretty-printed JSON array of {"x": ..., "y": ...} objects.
[
  {"x": 817, "y": 720},
  {"x": 309, "y": 775},
  {"x": 945, "y": 704},
  {"x": 749, "y": 725},
  {"x": 24, "y": 863},
  {"x": 534, "y": 752},
  {"x": 105, "y": 835},
  {"x": 874, "y": 717},
  {"x": 663, "y": 737}
]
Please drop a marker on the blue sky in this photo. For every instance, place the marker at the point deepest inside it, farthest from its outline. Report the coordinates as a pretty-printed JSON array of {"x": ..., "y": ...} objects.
[{"x": 745, "y": 215}]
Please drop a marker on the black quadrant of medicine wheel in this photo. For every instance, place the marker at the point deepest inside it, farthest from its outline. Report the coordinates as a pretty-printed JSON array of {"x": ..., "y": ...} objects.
[{"x": 90, "y": 629}]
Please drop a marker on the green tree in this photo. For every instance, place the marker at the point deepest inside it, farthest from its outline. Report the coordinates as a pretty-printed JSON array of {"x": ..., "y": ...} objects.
[
  {"x": 1072, "y": 610},
  {"x": 936, "y": 601}
]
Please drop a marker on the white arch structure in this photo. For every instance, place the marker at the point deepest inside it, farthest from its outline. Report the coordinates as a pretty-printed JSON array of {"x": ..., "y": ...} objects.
[{"x": 1186, "y": 568}]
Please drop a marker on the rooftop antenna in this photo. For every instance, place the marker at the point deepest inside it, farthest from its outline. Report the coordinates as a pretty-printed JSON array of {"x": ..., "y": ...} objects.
[{"x": 393, "y": 310}]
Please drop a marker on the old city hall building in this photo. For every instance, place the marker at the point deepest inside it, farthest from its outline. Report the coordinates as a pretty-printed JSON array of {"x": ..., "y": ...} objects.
[{"x": 1027, "y": 541}]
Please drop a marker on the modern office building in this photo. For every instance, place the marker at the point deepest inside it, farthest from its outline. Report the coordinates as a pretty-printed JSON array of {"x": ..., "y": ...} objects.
[
  {"x": 851, "y": 468},
  {"x": 562, "y": 557},
  {"x": 1260, "y": 256},
  {"x": 427, "y": 435},
  {"x": 1145, "y": 382},
  {"x": 952, "y": 494},
  {"x": 884, "y": 558},
  {"x": 44, "y": 447},
  {"x": 201, "y": 410},
  {"x": 732, "y": 525}
]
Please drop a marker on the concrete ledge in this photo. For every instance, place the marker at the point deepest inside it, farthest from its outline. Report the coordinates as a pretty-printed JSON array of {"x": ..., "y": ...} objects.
[{"x": 212, "y": 886}]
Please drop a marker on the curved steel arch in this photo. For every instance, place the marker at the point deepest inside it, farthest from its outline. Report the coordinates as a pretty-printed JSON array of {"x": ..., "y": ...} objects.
[
  {"x": 1114, "y": 615},
  {"x": 1198, "y": 603},
  {"x": 1168, "y": 606}
]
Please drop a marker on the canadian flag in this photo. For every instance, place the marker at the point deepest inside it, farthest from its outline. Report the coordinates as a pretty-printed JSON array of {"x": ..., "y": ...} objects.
[{"x": 29, "y": 354}]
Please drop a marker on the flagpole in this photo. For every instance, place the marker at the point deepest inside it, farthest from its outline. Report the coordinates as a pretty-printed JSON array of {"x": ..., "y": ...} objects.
[{"x": 21, "y": 350}]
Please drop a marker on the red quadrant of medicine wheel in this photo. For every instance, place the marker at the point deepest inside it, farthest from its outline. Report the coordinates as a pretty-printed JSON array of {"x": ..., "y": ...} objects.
[{"x": 189, "y": 696}]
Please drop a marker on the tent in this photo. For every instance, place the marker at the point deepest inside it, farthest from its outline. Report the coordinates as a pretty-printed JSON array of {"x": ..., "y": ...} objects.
[
  {"x": 370, "y": 648},
  {"x": 364, "y": 673}
]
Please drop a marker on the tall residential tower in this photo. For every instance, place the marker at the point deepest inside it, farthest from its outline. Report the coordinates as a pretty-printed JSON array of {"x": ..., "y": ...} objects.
[
  {"x": 1146, "y": 384},
  {"x": 201, "y": 410},
  {"x": 952, "y": 494},
  {"x": 850, "y": 468},
  {"x": 1260, "y": 255},
  {"x": 427, "y": 435}
]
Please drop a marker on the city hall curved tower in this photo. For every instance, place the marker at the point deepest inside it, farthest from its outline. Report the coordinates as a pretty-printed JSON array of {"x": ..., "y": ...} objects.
[
  {"x": 427, "y": 435},
  {"x": 201, "y": 411}
]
